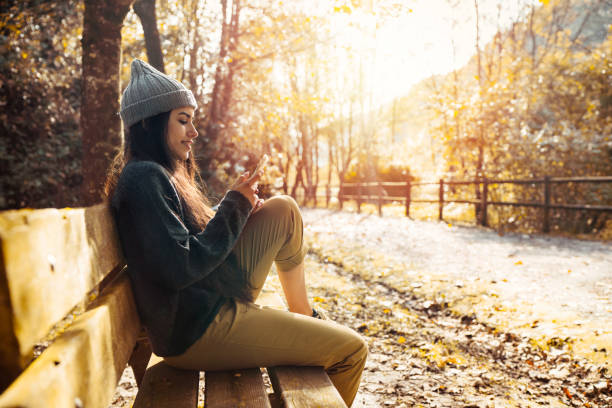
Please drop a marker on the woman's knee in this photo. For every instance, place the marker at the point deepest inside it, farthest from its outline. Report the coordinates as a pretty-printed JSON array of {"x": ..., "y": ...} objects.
[
  {"x": 361, "y": 347},
  {"x": 354, "y": 347},
  {"x": 285, "y": 211},
  {"x": 283, "y": 204}
]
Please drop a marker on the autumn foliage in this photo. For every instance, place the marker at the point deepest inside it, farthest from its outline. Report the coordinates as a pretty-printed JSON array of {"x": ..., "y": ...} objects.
[{"x": 294, "y": 80}]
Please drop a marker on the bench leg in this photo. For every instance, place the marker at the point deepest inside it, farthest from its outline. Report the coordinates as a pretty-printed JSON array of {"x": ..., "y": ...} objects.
[{"x": 140, "y": 358}]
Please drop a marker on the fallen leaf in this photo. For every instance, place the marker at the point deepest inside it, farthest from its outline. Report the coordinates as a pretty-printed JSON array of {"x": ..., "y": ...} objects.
[{"x": 566, "y": 391}]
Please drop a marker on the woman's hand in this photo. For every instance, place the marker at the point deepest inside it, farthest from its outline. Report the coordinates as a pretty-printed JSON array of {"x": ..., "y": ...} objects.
[{"x": 248, "y": 188}]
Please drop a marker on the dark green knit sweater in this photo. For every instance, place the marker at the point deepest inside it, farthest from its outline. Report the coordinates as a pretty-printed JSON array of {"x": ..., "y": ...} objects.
[{"x": 167, "y": 262}]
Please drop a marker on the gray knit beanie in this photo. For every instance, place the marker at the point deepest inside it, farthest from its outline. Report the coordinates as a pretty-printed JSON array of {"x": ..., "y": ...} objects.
[{"x": 151, "y": 92}]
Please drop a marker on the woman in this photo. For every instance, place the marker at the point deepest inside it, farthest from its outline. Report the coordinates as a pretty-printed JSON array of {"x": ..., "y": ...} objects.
[{"x": 196, "y": 273}]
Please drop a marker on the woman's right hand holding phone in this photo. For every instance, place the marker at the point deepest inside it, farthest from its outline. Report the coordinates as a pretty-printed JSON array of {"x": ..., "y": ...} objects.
[{"x": 247, "y": 186}]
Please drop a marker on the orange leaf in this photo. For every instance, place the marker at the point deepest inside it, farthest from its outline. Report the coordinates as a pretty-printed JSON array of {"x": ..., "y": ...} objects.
[{"x": 566, "y": 391}]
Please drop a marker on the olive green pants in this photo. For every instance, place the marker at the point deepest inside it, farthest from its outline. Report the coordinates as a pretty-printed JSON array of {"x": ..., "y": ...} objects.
[{"x": 245, "y": 335}]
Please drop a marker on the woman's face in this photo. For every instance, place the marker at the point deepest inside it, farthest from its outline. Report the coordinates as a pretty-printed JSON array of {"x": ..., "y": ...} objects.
[{"x": 181, "y": 132}]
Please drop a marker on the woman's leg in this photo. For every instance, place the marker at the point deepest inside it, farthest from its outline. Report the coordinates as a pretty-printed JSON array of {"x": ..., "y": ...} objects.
[
  {"x": 248, "y": 335},
  {"x": 275, "y": 234},
  {"x": 294, "y": 287}
]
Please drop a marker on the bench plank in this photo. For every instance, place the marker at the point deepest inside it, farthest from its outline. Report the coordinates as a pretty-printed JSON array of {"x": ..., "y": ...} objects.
[
  {"x": 166, "y": 386},
  {"x": 140, "y": 357},
  {"x": 236, "y": 388},
  {"x": 46, "y": 253},
  {"x": 84, "y": 364},
  {"x": 303, "y": 387}
]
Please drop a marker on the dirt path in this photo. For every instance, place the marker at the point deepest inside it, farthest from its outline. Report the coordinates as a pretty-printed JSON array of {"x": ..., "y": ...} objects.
[
  {"x": 423, "y": 354},
  {"x": 538, "y": 286}
]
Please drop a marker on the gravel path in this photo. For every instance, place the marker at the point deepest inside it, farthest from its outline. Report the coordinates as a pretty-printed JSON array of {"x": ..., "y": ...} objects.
[
  {"x": 424, "y": 355},
  {"x": 537, "y": 285}
]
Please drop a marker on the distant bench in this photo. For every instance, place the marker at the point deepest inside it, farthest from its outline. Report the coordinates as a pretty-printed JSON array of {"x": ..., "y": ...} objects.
[{"x": 63, "y": 281}]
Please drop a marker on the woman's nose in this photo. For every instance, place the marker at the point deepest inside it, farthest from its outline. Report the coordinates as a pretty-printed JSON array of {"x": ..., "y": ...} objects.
[{"x": 193, "y": 133}]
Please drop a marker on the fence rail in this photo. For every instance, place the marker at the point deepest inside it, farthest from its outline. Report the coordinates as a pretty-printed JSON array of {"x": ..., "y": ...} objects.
[{"x": 377, "y": 191}]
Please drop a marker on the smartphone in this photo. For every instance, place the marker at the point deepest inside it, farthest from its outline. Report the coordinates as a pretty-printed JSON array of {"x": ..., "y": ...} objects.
[{"x": 262, "y": 162}]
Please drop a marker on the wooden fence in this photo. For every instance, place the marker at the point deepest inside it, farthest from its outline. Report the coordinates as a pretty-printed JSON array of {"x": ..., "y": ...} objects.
[{"x": 381, "y": 192}]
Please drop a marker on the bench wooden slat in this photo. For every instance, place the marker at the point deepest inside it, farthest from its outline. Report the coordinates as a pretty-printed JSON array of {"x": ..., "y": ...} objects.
[
  {"x": 46, "y": 253},
  {"x": 166, "y": 386},
  {"x": 86, "y": 361},
  {"x": 303, "y": 387},
  {"x": 236, "y": 388},
  {"x": 141, "y": 356}
]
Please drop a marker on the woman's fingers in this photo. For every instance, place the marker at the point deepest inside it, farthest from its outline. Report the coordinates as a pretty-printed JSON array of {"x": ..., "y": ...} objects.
[
  {"x": 258, "y": 205},
  {"x": 241, "y": 179},
  {"x": 247, "y": 186},
  {"x": 254, "y": 178}
]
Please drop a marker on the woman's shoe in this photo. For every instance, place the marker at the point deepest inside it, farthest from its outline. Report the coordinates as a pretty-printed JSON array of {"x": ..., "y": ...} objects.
[{"x": 319, "y": 314}]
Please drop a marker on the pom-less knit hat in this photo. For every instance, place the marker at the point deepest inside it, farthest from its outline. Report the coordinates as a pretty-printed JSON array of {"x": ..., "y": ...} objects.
[{"x": 151, "y": 92}]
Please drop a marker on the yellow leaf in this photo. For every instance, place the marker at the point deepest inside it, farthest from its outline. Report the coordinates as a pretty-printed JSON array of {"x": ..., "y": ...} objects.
[
  {"x": 387, "y": 311},
  {"x": 24, "y": 55},
  {"x": 319, "y": 299},
  {"x": 401, "y": 340},
  {"x": 518, "y": 263},
  {"x": 544, "y": 1}
]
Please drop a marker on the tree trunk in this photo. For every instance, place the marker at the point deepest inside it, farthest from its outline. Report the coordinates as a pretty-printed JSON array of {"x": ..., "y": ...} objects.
[
  {"x": 145, "y": 10},
  {"x": 100, "y": 124},
  {"x": 222, "y": 89},
  {"x": 480, "y": 130},
  {"x": 298, "y": 179},
  {"x": 196, "y": 45},
  {"x": 330, "y": 160},
  {"x": 315, "y": 162}
]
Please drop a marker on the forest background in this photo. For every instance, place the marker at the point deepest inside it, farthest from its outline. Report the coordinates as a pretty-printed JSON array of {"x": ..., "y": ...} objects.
[{"x": 296, "y": 80}]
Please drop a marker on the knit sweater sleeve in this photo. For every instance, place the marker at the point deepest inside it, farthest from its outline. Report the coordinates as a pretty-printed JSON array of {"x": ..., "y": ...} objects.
[{"x": 161, "y": 243}]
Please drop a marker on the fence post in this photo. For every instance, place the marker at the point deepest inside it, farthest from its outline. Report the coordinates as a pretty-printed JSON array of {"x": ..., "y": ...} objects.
[
  {"x": 408, "y": 188},
  {"x": 341, "y": 195},
  {"x": 485, "y": 191},
  {"x": 327, "y": 195},
  {"x": 359, "y": 198},
  {"x": 546, "y": 204},
  {"x": 380, "y": 189},
  {"x": 441, "y": 200}
]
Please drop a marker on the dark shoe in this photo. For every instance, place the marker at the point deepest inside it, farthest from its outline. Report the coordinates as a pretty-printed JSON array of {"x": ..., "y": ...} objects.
[{"x": 319, "y": 314}]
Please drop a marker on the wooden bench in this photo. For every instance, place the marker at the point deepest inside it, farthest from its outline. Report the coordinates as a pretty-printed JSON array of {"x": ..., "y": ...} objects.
[{"x": 64, "y": 291}]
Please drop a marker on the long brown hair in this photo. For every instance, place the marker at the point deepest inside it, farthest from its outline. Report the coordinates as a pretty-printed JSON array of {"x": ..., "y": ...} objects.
[{"x": 147, "y": 140}]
